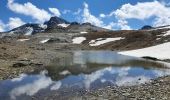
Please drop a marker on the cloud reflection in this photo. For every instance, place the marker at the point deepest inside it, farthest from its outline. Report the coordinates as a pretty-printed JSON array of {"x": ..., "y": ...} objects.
[
  {"x": 18, "y": 79},
  {"x": 56, "y": 86},
  {"x": 31, "y": 88}
]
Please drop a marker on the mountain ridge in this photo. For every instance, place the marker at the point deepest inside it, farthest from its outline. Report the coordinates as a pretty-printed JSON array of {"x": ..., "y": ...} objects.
[{"x": 55, "y": 25}]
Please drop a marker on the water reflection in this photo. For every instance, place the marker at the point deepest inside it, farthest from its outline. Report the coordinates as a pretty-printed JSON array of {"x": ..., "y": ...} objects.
[{"x": 83, "y": 70}]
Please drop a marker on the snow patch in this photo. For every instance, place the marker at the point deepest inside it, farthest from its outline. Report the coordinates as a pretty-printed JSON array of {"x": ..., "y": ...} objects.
[
  {"x": 78, "y": 40},
  {"x": 44, "y": 41},
  {"x": 29, "y": 30},
  {"x": 22, "y": 40},
  {"x": 100, "y": 41},
  {"x": 158, "y": 38},
  {"x": 161, "y": 51},
  {"x": 167, "y": 33},
  {"x": 83, "y": 32},
  {"x": 43, "y": 26},
  {"x": 63, "y": 25}
]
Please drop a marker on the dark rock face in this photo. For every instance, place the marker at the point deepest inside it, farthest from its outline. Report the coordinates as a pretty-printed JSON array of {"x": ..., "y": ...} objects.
[
  {"x": 55, "y": 21},
  {"x": 75, "y": 23},
  {"x": 146, "y": 27},
  {"x": 16, "y": 65},
  {"x": 150, "y": 58},
  {"x": 52, "y": 25},
  {"x": 87, "y": 23}
]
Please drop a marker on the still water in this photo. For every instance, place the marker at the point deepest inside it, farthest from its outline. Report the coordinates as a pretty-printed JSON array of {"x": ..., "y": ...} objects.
[{"x": 82, "y": 71}]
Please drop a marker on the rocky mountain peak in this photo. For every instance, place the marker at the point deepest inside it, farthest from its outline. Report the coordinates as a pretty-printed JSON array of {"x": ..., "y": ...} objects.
[
  {"x": 55, "y": 21},
  {"x": 146, "y": 27},
  {"x": 87, "y": 23}
]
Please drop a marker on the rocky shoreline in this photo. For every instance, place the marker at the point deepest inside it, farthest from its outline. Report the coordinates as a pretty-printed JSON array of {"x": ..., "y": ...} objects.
[{"x": 158, "y": 89}]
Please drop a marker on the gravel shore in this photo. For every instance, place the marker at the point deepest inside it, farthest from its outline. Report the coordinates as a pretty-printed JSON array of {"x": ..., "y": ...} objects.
[{"x": 158, "y": 89}]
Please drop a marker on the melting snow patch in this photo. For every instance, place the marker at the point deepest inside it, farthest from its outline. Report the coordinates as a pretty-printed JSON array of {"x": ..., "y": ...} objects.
[
  {"x": 100, "y": 41},
  {"x": 161, "y": 51},
  {"x": 43, "y": 26},
  {"x": 22, "y": 40},
  {"x": 158, "y": 38},
  {"x": 167, "y": 33},
  {"x": 29, "y": 31},
  {"x": 63, "y": 25},
  {"x": 83, "y": 32},
  {"x": 78, "y": 40},
  {"x": 44, "y": 41}
]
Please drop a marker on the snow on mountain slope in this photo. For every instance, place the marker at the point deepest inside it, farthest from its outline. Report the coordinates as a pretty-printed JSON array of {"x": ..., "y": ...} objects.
[
  {"x": 43, "y": 26},
  {"x": 166, "y": 33},
  {"x": 44, "y": 41},
  {"x": 78, "y": 40},
  {"x": 29, "y": 31},
  {"x": 22, "y": 40},
  {"x": 161, "y": 51},
  {"x": 101, "y": 41},
  {"x": 63, "y": 25},
  {"x": 83, "y": 32}
]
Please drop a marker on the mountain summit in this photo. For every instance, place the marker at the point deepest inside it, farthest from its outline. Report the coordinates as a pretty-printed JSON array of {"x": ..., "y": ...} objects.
[{"x": 55, "y": 21}]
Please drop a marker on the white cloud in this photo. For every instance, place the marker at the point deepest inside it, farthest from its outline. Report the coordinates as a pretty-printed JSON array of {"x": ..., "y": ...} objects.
[
  {"x": 14, "y": 22},
  {"x": 2, "y": 26},
  {"x": 161, "y": 21},
  {"x": 102, "y": 15},
  {"x": 144, "y": 10},
  {"x": 66, "y": 11},
  {"x": 123, "y": 24},
  {"x": 110, "y": 25},
  {"x": 90, "y": 78},
  {"x": 55, "y": 12},
  {"x": 56, "y": 86},
  {"x": 18, "y": 79},
  {"x": 29, "y": 9},
  {"x": 31, "y": 88},
  {"x": 88, "y": 17},
  {"x": 77, "y": 12}
]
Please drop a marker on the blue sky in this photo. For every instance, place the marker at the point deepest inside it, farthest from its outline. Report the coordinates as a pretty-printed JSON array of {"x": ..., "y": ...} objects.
[{"x": 113, "y": 14}]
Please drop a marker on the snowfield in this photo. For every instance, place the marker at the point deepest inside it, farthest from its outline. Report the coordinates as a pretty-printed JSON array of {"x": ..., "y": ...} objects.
[
  {"x": 83, "y": 32},
  {"x": 161, "y": 51},
  {"x": 63, "y": 25},
  {"x": 78, "y": 40},
  {"x": 29, "y": 30},
  {"x": 167, "y": 33},
  {"x": 43, "y": 26},
  {"x": 22, "y": 40},
  {"x": 44, "y": 41},
  {"x": 100, "y": 41}
]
